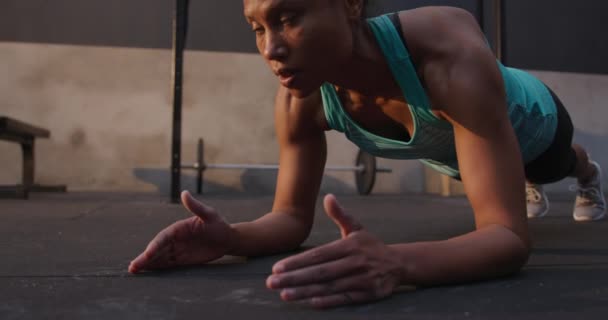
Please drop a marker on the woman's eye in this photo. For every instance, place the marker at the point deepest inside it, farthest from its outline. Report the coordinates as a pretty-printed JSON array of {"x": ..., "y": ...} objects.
[
  {"x": 258, "y": 30},
  {"x": 290, "y": 19}
]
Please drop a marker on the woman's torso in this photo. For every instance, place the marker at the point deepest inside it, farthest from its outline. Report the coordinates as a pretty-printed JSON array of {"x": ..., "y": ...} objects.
[{"x": 391, "y": 115}]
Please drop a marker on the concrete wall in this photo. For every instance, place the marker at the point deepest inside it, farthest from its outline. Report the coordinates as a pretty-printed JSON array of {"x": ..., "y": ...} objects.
[{"x": 109, "y": 111}]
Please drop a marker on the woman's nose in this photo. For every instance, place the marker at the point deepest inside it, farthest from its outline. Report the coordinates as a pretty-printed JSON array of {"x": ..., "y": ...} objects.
[{"x": 275, "y": 48}]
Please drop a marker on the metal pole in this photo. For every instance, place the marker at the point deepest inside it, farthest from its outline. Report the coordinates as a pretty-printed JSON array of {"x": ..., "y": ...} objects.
[
  {"x": 498, "y": 29},
  {"x": 480, "y": 13},
  {"x": 503, "y": 30},
  {"x": 180, "y": 23}
]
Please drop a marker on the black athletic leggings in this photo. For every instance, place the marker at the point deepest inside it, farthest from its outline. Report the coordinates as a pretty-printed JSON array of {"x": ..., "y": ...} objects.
[{"x": 559, "y": 160}]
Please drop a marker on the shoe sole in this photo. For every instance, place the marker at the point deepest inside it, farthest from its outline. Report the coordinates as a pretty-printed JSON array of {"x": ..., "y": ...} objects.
[
  {"x": 587, "y": 219},
  {"x": 542, "y": 214}
]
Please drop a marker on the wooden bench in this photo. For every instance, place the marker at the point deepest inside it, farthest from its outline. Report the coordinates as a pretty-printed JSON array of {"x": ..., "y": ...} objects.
[{"x": 24, "y": 134}]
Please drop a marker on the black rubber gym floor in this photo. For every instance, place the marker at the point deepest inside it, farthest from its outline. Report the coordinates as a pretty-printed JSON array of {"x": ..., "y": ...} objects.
[{"x": 66, "y": 257}]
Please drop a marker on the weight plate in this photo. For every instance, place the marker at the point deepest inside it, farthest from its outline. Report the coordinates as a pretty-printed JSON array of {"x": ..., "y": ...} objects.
[{"x": 365, "y": 179}]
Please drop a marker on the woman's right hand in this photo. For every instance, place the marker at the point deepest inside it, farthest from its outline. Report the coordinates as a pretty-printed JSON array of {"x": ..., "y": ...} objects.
[{"x": 196, "y": 240}]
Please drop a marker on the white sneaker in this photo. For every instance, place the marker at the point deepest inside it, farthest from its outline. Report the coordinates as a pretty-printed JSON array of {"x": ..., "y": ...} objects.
[
  {"x": 590, "y": 204},
  {"x": 537, "y": 203}
]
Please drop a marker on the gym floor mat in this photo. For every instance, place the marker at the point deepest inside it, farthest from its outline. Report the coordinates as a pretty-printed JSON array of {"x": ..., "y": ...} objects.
[{"x": 66, "y": 255}]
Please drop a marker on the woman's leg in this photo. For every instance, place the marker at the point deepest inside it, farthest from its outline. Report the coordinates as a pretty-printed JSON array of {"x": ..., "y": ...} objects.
[
  {"x": 590, "y": 204},
  {"x": 554, "y": 164},
  {"x": 583, "y": 170}
]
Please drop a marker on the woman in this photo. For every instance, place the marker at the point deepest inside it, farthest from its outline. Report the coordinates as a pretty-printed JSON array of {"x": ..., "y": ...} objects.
[{"x": 420, "y": 84}]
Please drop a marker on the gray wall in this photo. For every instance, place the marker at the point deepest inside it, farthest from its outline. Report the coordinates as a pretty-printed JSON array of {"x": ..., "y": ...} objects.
[
  {"x": 561, "y": 35},
  {"x": 377, "y": 7},
  {"x": 133, "y": 23},
  {"x": 557, "y": 35},
  {"x": 214, "y": 25}
]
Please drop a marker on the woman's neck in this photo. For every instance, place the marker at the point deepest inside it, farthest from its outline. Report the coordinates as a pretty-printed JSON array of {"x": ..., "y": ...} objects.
[{"x": 366, "y": 72}]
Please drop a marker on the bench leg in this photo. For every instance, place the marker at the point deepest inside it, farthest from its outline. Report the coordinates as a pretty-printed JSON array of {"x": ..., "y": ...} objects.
[
  {"x": 27, "y": 186},
  {"x": 28, "y": 166},
  {"x": 23, "y": 190}
]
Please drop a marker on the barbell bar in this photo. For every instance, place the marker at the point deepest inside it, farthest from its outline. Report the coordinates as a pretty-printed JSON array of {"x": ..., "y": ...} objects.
[
  {"x": 365, "y": 169},
  {"x": 230, "y": 166}
]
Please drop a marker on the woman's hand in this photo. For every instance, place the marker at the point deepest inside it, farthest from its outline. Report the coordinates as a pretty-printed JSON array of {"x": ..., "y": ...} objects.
[
  {"x": 197, "y": 240},
  {"x": 355, "y": 269}
]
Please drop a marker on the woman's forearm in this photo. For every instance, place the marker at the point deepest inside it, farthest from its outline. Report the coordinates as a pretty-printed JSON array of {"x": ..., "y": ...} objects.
[
  {"x": 273, "y": 233},
  {"x": 489, "y": 252}
]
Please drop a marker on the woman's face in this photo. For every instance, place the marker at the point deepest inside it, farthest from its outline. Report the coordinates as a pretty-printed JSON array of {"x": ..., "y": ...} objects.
[{"x": 303, "y": 41}]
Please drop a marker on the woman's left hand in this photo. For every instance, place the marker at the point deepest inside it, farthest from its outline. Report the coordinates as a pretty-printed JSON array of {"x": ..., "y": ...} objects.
[{"x": 357, "y": 268}]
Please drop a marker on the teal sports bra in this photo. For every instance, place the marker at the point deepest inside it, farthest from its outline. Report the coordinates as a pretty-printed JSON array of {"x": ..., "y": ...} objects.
[{"x": 532, "y": 110}]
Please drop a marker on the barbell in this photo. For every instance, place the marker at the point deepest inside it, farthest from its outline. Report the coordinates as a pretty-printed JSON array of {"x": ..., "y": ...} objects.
[{"x": 365, "y": 169}]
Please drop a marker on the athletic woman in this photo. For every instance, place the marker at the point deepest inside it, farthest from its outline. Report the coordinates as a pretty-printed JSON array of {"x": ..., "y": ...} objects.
[{"x": 418, "y": 84}]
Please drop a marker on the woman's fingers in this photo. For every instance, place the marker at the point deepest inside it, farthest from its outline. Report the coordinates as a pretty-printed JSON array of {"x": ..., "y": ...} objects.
[
  {"x": 320, "y": 273},
  {"x": 356, "y": 282},
  {"x": 357, "y": 269},
  {"x": 201, "y": 210},
  {"x": 343, "y": 220},
  {"x": 329, "y": 252},
  {"x": 195, "y": 240},
  {"x": 157, "y": 250}
]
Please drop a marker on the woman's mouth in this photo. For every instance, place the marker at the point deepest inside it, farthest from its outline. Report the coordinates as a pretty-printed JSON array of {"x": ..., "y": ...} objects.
[{"x": 287, "y": 76}]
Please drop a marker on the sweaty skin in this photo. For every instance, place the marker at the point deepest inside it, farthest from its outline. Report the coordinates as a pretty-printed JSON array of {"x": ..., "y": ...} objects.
[{"x": 309, "y": 42}]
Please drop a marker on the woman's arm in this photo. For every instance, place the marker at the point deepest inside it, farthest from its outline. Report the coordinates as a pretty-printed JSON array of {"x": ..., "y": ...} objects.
[
  {"x": 303, "y": 152},
  {"x": 467, "y": 86},
  {"x": 207, "y": 236}
]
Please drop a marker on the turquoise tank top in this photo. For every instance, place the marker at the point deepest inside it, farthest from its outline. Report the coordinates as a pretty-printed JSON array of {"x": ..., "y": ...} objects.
[{"x": 532, "y": 111}]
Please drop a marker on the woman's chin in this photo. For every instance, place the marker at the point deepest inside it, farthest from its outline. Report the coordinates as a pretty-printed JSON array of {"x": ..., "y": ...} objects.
[
  {"x": 299, "y": 93},
  {"x": 302, "y": 91}
]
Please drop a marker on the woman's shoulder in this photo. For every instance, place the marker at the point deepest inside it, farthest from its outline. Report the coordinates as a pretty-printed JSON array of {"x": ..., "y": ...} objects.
[
  {"x": 439, "y": 33},
  {"x": 445, "y": 13},
  {"x": 438, "y": 27}
]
